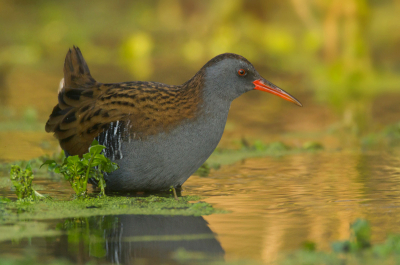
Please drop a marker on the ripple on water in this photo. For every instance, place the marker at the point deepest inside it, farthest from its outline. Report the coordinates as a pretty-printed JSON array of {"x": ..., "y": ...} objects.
[{"x": 275, "y": 205}]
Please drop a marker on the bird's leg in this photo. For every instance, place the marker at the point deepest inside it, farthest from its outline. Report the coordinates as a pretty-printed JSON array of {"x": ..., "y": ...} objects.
[{"x": 174, "y": 191}]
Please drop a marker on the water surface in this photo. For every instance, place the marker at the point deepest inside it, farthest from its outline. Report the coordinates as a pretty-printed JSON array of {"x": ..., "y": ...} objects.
[{"x": 275, "y": 204}]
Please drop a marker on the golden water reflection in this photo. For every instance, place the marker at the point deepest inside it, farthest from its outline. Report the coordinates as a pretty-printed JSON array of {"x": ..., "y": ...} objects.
[{"x": 278, "y": 203}]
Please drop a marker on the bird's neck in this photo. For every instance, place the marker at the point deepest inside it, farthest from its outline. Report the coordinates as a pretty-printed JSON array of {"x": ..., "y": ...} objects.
[{"x": 210, "y": 101}]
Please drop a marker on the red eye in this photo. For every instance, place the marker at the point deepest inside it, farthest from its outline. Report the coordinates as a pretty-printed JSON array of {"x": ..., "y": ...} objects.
[{"x": 242, "y": 72}]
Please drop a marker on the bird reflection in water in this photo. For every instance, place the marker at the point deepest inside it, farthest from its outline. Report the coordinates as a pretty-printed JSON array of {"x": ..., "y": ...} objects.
[{"x": 125, "y": 238}]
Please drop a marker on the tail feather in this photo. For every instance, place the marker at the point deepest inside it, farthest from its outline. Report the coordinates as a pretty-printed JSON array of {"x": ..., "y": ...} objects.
[
  {"x": 76, "y": 71},
  {"x": 76, "y": 93}
]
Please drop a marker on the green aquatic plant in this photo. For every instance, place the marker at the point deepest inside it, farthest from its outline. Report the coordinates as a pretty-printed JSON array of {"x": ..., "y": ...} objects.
[
  {"x": 313, "y": 146},
  {"x": 22, "y": 181},
  {"x": 260, "y": 146},
  {"x": 360, "y": 238},
  {"x": 4, "y": 200},
  {"x": 79, "y": 170},
  {"x": 358, "y": 249}
]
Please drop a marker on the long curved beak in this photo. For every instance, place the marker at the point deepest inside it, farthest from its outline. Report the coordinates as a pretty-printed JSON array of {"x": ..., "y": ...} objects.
[{"x": 264, "y": 85}]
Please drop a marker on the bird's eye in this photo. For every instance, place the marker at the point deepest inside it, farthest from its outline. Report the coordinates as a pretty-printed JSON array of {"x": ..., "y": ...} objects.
[{"x": 242, "y": 72}]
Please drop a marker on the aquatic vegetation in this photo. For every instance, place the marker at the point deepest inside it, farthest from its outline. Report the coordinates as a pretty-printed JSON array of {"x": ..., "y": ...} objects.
[
  {"x": 22, "y": 181},
  {"x": 4, "y": 200},
  {"x": 56, "y": 209},
  {"x": 358, "y": 249},
  {"x": 387, "y": 137},
  {"x": 12, "y": 213},
  {"x": 360, "y": 238},
  {"x": 257, "y": 149},
  {"x": 312, "y": 146},
  {"x": 273, "y": 147},
  {"x": 79, "y": 170}
]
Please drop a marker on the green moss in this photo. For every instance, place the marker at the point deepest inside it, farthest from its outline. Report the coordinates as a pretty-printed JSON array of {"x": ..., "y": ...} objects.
[
  {"x": 53, "y": 209},
  {"x": 13, "y": 214}
]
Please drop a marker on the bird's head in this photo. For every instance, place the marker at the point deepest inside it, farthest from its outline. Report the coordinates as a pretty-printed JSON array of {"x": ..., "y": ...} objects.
[{"x": 230, "y": 75}]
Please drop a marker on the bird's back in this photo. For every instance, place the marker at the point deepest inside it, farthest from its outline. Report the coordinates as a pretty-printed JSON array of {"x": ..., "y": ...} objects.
[{"x": 87, "y": 108}]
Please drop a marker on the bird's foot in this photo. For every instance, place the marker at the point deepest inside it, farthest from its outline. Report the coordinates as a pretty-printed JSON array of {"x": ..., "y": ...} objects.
[{"x": 174, "y": 192}]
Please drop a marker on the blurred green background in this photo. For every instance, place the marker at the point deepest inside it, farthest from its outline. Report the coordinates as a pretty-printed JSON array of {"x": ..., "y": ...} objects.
[{"x": 341, "y": 58}]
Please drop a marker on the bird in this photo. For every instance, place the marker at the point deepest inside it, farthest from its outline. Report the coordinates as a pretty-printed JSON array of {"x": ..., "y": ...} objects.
[{"x": 158, "y": 134}]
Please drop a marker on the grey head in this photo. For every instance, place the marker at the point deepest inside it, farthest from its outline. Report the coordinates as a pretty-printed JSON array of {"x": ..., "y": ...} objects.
[{"x": 228, "y": 75}]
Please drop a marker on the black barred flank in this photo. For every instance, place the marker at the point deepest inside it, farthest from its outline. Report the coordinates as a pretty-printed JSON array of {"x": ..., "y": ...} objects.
[{"x": 112, "y": 138}]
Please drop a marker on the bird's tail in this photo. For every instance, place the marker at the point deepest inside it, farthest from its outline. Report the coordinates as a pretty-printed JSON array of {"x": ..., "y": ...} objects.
[
  {"x": 76, "y": 91},
  {"x": 76, "y": 71}
]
